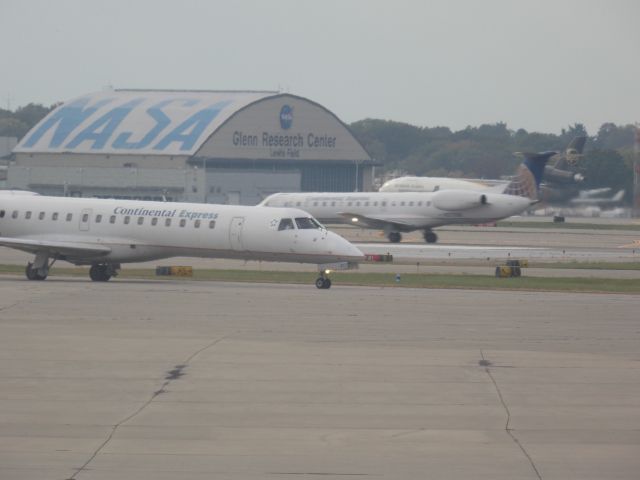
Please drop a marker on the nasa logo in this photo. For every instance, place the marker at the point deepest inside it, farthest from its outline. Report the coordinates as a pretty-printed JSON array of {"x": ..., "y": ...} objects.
[{"x": 286, "y": 117}]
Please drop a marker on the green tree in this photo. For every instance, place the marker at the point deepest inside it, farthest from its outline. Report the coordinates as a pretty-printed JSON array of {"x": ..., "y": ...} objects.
[
  {"x": 12, "y": 127},
  {"x": 31, "y": 113},
  {"x": 607, "y": 168}
]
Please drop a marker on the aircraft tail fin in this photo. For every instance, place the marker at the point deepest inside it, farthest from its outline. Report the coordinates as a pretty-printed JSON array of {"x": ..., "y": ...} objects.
[
  {"x": 526, "y": 181},
  {"x": 572, "y": 154},
  {"x": 576, "y": 146},
  {"x": 618, "y": 196}
]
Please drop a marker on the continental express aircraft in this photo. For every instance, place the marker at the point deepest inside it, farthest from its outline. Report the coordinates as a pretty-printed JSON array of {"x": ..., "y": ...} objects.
[
  {"x": 105, "y": 233},
  {"x": 396, "y": 212}
]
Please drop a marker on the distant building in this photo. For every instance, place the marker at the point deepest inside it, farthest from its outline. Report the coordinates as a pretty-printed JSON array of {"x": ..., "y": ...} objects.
[
  {"x": 200, "y": 146},
  {"x": 7, "y": 144}
]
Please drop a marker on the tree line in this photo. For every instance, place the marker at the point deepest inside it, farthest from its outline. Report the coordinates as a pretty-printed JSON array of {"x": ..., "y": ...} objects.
[
  {"x": 487, "y": 151},
  {"x": 474, "y": 152}
]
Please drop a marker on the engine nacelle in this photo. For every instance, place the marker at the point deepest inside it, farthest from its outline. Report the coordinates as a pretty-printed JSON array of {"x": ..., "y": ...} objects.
[{"x": 458, "y": 199}]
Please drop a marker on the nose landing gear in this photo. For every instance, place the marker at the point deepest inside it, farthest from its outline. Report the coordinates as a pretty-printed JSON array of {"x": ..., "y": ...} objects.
[{"x": 323, "y": 281}]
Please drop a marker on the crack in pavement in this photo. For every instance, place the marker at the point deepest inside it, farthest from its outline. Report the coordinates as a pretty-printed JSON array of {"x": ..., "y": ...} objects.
[
  {"x": 170, "y": 376},
  {"x": 486, "y": 364}
]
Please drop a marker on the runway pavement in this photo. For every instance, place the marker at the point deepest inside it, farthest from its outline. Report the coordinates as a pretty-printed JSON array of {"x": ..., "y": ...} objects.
[{"x": 201, "y": 380}]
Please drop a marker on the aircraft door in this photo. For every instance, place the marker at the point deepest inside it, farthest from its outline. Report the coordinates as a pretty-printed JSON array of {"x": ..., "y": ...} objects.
[
  {"x": 85, "y": 219},
  {"x": 235, "y": 233}
]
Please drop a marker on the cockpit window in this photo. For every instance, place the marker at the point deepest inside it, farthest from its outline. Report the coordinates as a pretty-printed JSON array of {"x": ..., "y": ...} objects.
[
  {"x": 307, "y": 222},
  {"x": 286, "y": 224}
]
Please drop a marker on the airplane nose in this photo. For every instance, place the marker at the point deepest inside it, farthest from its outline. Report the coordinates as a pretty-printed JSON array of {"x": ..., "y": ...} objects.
[{"x": 341, "y": 247}]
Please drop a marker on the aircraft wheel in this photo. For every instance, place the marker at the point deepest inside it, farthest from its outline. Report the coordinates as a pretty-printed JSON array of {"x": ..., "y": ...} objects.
[
  {"x": 430, "y": 237},
  {"x": 323, "y": 283},
  {"x": 98, "y": 273},
  {"x": 394, "y": 237},
  {"x": 32, "y": 273}
]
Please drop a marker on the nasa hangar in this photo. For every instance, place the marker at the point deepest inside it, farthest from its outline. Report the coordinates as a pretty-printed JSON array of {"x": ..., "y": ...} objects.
[{"x": 234, "y": 147}]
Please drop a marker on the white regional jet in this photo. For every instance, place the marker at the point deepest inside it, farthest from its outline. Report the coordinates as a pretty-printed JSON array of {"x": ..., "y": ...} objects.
[
  {"x": 396, "y": 212},
  {"x": 105, "y": 233}
]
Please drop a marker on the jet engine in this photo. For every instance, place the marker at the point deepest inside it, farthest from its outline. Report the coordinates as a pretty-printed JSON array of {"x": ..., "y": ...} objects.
[{"x": 458, "y": 199}]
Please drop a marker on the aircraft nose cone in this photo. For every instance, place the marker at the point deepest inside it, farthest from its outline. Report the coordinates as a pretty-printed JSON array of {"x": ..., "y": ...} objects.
[{"x": 345, "y": 249}]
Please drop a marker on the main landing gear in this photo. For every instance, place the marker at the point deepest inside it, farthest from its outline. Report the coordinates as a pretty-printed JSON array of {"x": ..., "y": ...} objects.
[
  {"x": 101, "y": 272},
  {"x": 430, "y": 236},
  {"x": 39, "y": 269},
  {"x": 394, "y": 237},
  {"x": 323, "y": 281},
  {"x": 33, "y": 273}
]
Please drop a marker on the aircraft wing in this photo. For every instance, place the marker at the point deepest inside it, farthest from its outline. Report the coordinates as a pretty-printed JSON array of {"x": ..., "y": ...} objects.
[
  {"x": 68, "y": 249},
  {"x": 380, "y": 221}
]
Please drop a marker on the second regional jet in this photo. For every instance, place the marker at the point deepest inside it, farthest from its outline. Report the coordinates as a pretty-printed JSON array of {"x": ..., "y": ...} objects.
[
  {"x": 104, "y": 233},
  {"x": 408, "y": 211}
]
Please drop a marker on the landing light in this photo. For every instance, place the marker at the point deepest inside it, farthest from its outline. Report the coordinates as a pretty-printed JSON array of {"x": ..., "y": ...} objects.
[
  {"x": 354, "y": 219},
  {"x": 327, "y": 272}
]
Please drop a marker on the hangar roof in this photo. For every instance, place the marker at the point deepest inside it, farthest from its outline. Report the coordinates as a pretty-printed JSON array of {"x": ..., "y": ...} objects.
[{"x": 143, "y": 122}]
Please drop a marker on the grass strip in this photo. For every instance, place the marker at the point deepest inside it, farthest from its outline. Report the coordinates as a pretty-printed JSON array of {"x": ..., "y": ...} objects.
[
  {"x": 570, "y": 225},
  {"x": 410, "y": 280}
]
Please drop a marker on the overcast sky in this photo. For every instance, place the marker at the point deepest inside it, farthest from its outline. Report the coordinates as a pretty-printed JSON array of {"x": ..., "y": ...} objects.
[{"x": 539, "y": 65}]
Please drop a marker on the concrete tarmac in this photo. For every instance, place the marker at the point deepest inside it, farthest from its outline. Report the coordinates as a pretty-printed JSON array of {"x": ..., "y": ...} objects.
[{"x": 204, "y": 380}]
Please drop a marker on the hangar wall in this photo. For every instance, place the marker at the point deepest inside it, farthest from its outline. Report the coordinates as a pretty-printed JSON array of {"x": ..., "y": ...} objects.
[{"x": 198, "y": 146}]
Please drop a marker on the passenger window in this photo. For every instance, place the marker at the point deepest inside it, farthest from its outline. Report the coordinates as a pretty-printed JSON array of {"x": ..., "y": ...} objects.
[
  {"x": 69, "y": 217},
  {"x": 27, "y": 215},
  {"x": 98, "y": 218},
  {"x": 411, "y": 204},
  {"x": 14, "y": 214},
  {"x": 402, "y": 204},
  {"x": 127, "y": 219},
  {"x": 41, "y": 216},
  {"x": 298, "y": 204},
  {"x": 286, "y": 224},
  {"x": 196, "y": 224},
  {"x": 315, "y": 204},
  {"x": 183, "y": 222},
  {"x": 366, "y": 204},
  {"x": 324, "y": 204},
  {"x": 212, "y": 224},
  {"x": 85, "y": 217},
  {"x": 54, "y": 216},
  {"x": 384, "y": 204},
  {"x": 154, "y": 221},
  {"x": 357, "y": 204},
  {"x": 333, "y": 204},
  {"x": 305, "y": 223},
  {"x": 349, "y": 204},
  {"x": 112, "y": 219},
  {"x": 140, "y": 220},
  {"x": 1, "y": 213},
  {"x": 420, "y": 203},
  {"x": 375, "y": 204},
  {"x": 428, "y": 204},
  {"x": 167, "y": 222}
]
